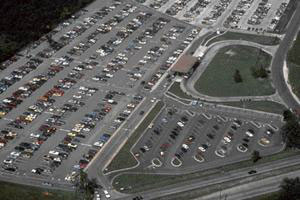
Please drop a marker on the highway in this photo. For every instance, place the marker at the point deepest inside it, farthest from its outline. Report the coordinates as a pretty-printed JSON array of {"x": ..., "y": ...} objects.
[
  {"x": 252, "y": 189},
  {"x": 279, "y": 59},
  {"x": 226, "y": 176}
]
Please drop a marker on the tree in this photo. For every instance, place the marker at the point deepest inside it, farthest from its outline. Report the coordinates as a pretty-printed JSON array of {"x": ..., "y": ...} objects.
[
  {"x": 290, "y": 131},
  {"x": 288, "y": 115},
  {"x": 237, "y": 76},
  {"x": 255, "y": 156},
  {"x": 290, "y": 189},
  {"x": 259, "y": 72},
  {"x": 86, "y": 186}
]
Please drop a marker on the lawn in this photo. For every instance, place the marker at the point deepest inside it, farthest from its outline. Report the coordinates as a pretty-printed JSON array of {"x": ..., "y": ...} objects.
[
  {"x": 217, "y": 80},
  {"x": 271, "y": 196},
  {"x": 11, "y": 191},
  {"x": 124, "y": 158},
  {"x": 266, "y": 106},
  {"x": 141, "y": 182},
  {"x": 294, "y": 66},
  {"x": 261, "y": 39},
  {"x": 176, "y": 90}
]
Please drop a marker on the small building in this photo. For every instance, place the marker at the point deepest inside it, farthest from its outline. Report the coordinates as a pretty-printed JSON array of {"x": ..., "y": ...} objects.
[{"x": 184, "y": 65}]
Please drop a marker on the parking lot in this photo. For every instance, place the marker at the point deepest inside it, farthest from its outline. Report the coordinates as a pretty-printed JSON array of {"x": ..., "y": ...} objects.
[
  {"x": 63, "y": 97},
  {"x": 184, "y": 139},
  {"x": 251, "y": 15}
]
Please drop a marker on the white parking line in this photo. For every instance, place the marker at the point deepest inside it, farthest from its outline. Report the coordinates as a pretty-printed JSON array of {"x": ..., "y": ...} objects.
[
  {"x": 64, "y": 130},
  {"x": 50, "y": 113},
  {"x": 7, "y": 119},
  {"x": 89, "y": 145}
]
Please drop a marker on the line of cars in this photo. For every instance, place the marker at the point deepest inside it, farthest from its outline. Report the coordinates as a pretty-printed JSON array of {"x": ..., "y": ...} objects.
[
  {"x": 49, "y": 127},
  {"x": 177, "y": 7},
  {"x": 171, "y": 35},
  {"x": 279, "y": 13},
  {"x": 156, "y": 4},
  {"x": 236, "y": 15},
  {"x": 216, "y": 12},
  {"x": 196, "y": 9},
  {"x": 122, "y": 34},
  {"x": 260, "y": 13}
]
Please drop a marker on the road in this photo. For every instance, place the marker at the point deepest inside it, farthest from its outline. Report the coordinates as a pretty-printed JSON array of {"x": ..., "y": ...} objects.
[
  {"x": 279, "y": 59},
  {"x": 226, "y": 176},
  {"x": 252, "y": 189},
  {"x": 189, "y": 85}
]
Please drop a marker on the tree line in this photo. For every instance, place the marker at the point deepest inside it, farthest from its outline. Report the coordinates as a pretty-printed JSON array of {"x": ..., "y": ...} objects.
[{"x": 24, "y": 21}]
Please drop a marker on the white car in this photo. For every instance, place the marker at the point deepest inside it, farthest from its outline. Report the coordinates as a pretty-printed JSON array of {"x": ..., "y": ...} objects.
[
  {"x": 202, "y": 149},
  {"x": 54, "y": 152},
  {"x": 77, "y": 96},
  {"x": 180, "y": 124},
  {"x": 227, "y": 139},
  {"x": 8, "y": 161},
  {"x": 250, "y": 133},
  {"x": 15, "y": 154},
  {"x": 99, "y": 144},
  {"x": 107, "y": 195},
  {"x": 33, "y": 135}
]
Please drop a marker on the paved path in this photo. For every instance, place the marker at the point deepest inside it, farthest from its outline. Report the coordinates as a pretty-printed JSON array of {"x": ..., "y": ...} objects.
[
  {"x": 279, "y": 59},
  {"x": 188, "y": 86}
]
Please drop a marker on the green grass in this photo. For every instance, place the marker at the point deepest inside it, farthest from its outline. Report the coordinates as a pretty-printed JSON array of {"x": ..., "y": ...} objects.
[
  {"x": 176, "y": 90},
  {"x": 124, "y": 158},
  {"x": 294, "y": 66},
  {"x": 266, "y": 106},
  {"x": 261, "y": 39},
  {"x": 11, "y": 191},
  {"x": 217, "y": 80},
  {"x": 294, "y": 77},
  {"x": 141, "y": 182},
  {"x": 271, "y": 196}
]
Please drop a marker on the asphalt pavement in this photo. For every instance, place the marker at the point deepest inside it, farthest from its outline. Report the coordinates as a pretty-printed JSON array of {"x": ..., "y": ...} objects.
[{"x": 279, "y": 59}]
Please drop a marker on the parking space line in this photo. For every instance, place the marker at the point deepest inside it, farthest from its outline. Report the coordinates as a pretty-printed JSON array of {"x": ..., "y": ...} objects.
[
  {"x": 64, "y": 130},
  {"x": 83, "y": 144},
  {"x": 7, "y": 119}
]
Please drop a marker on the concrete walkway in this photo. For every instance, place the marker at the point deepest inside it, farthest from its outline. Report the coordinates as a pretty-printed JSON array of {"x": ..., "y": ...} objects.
[{"x": 188, "y": 85}]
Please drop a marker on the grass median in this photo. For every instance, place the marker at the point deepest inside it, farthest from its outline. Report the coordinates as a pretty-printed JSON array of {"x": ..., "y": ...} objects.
[
  {"x": 265, "y": 106},
  {"x": 177, "y": 91},
  {"x": 218, "y": 78},
  {"x": 260, "y": 39},
  {"x": 294, "y": 66},
  {"x": 133, "y": 183},
  {"x": 11, "y": 191},
  {"x": 124, "y": 158}
]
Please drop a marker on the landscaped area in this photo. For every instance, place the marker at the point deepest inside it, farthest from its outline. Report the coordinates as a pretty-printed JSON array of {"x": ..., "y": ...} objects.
[
  {"x": 218, "y": 79},
  {"x": 10, "y": 191},
  {"x": 261, "y": 39},
  {"x": 124, "y": 158},
  {"x": 141, "y": 182},
  {"x": 177, "y": 91},
  {"x": 266, "y": 106},
  {"x": 294, "y": 66}
]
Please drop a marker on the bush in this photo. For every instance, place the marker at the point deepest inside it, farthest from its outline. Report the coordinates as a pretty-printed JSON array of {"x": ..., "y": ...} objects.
[{"x": 237, "y": 77}]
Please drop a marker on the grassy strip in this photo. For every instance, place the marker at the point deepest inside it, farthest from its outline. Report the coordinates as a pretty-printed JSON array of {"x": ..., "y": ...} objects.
[
  {"x": 176, "y": 90},
  {"x": 178, "y": 99},
  {"x": 11, "y": 191},
  {"x": 261, "y": 39},
  {"x": 294, "y": 66},
  {"x": 266, "y": 106},
  {"x": 271, "y": 196},
  {"x": 124, "y": 159},
  {"x": 218, "y": 79},
  {"x": 141, "y": 182}
]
